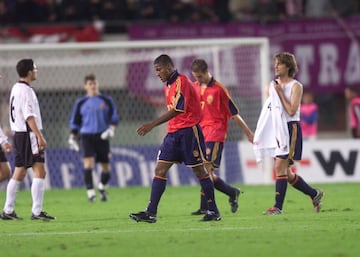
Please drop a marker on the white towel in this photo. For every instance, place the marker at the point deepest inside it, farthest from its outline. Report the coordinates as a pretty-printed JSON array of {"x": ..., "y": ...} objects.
[
  {"x": 271, "y": 136},
  {"x": 279, "y": 123},
  {"x": 264, "y": 136}
]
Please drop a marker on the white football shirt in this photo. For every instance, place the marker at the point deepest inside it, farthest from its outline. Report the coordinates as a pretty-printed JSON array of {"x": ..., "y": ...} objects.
[
  {"x": 3, "y": 137},
  {"x": 23, "y": 104}
]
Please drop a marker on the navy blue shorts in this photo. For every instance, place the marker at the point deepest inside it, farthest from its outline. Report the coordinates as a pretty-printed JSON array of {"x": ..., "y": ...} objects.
[
  {"x": 296, "y": 141},
  {"x": 96, "y": 147},
  {"x": 185, "y": 145},
  {"x": 213, "y": 153}
]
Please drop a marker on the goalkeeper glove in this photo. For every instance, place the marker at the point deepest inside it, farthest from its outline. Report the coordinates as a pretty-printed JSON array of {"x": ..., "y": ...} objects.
[
  {"x": 73, "y": 144},
  {"x": 108, "y": 133}
]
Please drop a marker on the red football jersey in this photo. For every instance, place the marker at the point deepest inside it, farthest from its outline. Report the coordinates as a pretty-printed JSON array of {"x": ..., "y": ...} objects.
[
  {"x": 217, "y": 107},
  {"x": 181, "y": 96}
]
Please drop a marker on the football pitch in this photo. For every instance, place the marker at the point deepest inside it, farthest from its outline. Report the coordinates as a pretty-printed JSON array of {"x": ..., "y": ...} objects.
[{"x": 104, "y": 229}]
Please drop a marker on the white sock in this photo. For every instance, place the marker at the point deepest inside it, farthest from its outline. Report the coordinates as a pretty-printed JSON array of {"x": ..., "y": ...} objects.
[
  {"x": 90, "y": 193},
  {"x": 11, "y": 191},
  {"x": 37, "y": 193},
  {"x": 101, "y": 186}
]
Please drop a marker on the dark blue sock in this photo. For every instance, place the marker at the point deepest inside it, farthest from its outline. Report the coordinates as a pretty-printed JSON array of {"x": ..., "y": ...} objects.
[
  {"x": 157, "y": 189},
  {"x": 203, "y": 202},
  {"x": 280, "y": 187},
  {"x": 302, "y": 186},
  {"x": 220, "y": 185},
  {"x": 207, "y": 187}
]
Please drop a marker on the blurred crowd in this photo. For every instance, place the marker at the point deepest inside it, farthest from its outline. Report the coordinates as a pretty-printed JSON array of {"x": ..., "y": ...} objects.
[{"x": 175, "y": 11}]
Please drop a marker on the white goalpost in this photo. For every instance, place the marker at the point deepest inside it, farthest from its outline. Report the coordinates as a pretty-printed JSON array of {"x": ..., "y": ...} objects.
[{"x": 125, "y": 71}]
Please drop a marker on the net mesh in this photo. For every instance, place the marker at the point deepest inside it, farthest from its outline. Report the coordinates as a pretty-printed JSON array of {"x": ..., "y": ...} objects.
[{"x": 125, "y": 71}]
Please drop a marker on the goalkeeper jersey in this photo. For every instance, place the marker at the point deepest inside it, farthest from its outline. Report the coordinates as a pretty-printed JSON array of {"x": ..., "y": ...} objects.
[{"x": 93, "y": 115}]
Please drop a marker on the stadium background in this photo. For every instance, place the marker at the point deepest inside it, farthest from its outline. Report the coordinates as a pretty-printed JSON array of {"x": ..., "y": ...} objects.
[{"x": 330, "y": 39}]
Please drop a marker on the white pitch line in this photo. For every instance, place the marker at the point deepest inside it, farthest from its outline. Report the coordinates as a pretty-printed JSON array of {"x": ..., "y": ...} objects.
[{"x": 55, "y": 233}]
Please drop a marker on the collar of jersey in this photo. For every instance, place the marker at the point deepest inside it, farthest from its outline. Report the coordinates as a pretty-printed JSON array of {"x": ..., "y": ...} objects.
[{"x": 172, "y": 77}]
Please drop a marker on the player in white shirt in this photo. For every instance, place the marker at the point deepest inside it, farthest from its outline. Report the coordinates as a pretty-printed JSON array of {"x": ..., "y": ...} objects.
[
  {"x": 5, "y": 148},
  {"x": 285, "y": 96},
  {"x": 29, "y": 143}
]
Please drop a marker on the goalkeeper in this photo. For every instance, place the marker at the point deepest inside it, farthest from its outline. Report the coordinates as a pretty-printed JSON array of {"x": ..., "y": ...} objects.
[{"x": 93, "y": 121}]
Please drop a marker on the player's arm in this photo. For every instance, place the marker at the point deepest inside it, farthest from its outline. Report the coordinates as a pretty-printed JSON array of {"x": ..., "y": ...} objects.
[
  {"x": 28, "y": 107},
  {"x": 75, "y": 121},
  {"x": 295, "y": 99},
  {"x": 147, "y": 127},
  {"x": 115, "y": 117},
  {"x": 114, "y": 120},
  {"x": 234, "y": 110},
  {"x": 4, "y": 142},
  {"x": 34, "y": 128},
  {"x": 244, "y": 127}
]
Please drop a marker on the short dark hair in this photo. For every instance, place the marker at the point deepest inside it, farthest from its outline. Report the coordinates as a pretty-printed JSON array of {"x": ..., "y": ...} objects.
[
  {"x": 163, "y": 59},
  {"x": 354, "y": 88},
  {"x": 90, "y": 77},
  {"x": 199, "y": 65},
  {"x": 24, "y": 66}
]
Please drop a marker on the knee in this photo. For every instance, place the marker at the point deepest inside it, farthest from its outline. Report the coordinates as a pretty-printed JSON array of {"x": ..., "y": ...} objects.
[
  {"x": 160, "y": 172},
  {"x": 280, "y": 170},
  {"x": 200, "y": 172}
]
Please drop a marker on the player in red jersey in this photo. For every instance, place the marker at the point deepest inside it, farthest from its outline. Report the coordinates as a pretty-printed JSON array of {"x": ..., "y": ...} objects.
[
  {"x": 183, "y": 143},
  {"x": 217, "y": 107}
]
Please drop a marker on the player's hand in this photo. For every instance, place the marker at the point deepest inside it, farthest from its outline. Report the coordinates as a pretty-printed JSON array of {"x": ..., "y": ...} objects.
[
  {"x": 250, "y": 137},
  {"x": 144, "y": 129},
  {"x": 7, "y": 147},
  {"x": 108, "y": 133},
  {"x": 73, "y": 144}
]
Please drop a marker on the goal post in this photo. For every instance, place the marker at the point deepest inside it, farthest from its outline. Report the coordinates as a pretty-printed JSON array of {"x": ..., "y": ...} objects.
[{"x": 125, "y": 71}]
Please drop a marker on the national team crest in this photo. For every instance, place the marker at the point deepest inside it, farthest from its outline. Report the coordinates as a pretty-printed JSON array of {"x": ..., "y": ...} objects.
[{"x": 210, "y": 99}]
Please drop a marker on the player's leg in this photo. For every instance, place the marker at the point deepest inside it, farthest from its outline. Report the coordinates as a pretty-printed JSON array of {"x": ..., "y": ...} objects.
[
  {"x": 89, "y": 148},
  {"x": 102, "y": 157},
  {"x": 23, "y": 158},
  {"x": 193, "y": 152},
  {"x": 4, "y": 170},
  {"x": 104, "y": 180},
  {"x": 295, "y": 180},
  {"x": 38, "y": 190},
  {"x": 213, "y": 156},
  {"x": 11, "y": 192},
  {"x": 207, "y": 187},
  {"x": 158, "y": 187},
  {"x": 280, "y": 186},
  {"x": 4, "y": 166},
  {"x": 300, "y": 184},
  {"x": 203, "y": 204},
  {"x": 169, "y": 153},
  {"x": 88, "y": 163}
]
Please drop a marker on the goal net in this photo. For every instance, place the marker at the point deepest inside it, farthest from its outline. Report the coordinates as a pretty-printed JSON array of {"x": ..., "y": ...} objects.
[{"x": 125, "y": 71}]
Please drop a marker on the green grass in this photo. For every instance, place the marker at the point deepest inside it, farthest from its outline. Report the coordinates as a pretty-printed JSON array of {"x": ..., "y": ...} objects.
[{"x": 104, "y": 229}]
